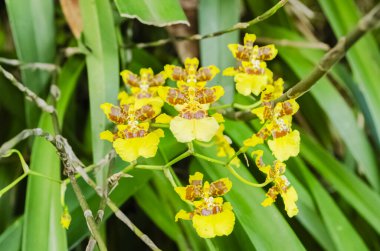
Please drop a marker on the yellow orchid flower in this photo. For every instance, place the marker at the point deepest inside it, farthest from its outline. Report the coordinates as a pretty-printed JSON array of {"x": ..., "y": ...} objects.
[
  {"x": 145, "y": 85},
  {"x": 281, "y": 185},
  {"x": 211, "y": 217},
  {"x": 192, "y": 102},
  {"x": 132, "y": 138},
  {"x": 65, "y": 218},
  {"x": 191, "y": 75},
  {"x": 251, "y": 52}
]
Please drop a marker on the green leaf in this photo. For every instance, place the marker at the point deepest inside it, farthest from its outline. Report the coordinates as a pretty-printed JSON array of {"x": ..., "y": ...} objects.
[
  {"x": 10, "y": 239},
  {"x": 34, "y": 37},
  {"x": 363, "y": 57},
  {"x": 364, "y": 200},
  {"x": 102, "y": 70},
  {"x": 43, "y": 196},
  {"x": 159, "y": 13},
  {"x": 216, "y": 15},
  {"x": 336, "y": 222}
]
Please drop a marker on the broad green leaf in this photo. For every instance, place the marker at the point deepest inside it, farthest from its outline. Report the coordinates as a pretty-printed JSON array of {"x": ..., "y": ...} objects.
[
  {"x": 43, "y": 196},
  {"x": 363, "y": 57},
  {"x": 34, "y": 37},
  {"x": 158, "y": 13},
  {"x": 214, "y": 16},
  {"x": 343, "y": 234},
  {"x": 364, "y": 200},
  {"x": 10, "y": 239},
  {"x": 102, "y": 70}
]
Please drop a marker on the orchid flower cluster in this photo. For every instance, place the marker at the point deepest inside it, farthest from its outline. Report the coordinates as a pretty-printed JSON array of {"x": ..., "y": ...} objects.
[
  {"x": 138, "y": 118},
  {"x": 253, "y": 76}
]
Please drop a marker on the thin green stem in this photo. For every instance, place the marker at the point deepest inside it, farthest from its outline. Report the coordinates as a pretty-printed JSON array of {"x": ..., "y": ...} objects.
[
  {"x": 234, "y": 173},
  {"x": 219, "y": 107},
  {"x": 247, "y": 107},
  {"x": 121, "y": 216},
  {"x": 11, "y": 185},
  {"x": 44, "y": 176},
  {"x": 87, "y": 214},
  {"x": 150, "y": 167},
  {"x": 241, "y": 150},
  {"x": 196, "y": 37},
  {"x": 209, "y": 159},
  {"x": 178, "y": 158},
  {"x": 157, "y": 125}
]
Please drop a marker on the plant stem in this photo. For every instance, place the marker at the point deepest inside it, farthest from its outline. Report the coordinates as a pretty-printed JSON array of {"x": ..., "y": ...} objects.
[
  {"x": 87, "y": 213},
  {"x": 11, "y": 185},
  {"x": 212, "y": 160},
  {"x": 30, "y": 94},
  {"x": 196, "y": 37},
  {"x": 121, "y": 216},
  {"x": 234, "y": 173}
]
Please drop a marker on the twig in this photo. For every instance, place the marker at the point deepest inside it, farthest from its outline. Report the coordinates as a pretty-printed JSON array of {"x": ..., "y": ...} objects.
[
  {"x": 121, "y": 216},
  {"x": 196, "y": 37},
  {"x": 365, "y": 24},
  {"x": 32, "y": 66},
  {"x": 29, "y": 94}
]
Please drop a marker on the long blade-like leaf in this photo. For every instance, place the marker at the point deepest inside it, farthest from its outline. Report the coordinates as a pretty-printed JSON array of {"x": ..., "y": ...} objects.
[{"x": 102, "y": 70}]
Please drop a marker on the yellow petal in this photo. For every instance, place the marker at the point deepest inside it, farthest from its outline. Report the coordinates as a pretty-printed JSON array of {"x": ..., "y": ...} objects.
[
  {"x": 267, "y": 202},
  {"x": 250, "y": 83},
  {"x": 253, "y": 141},
  {"x": 150, "y": 143},
  {"x": 218, "y": 117},
  {"x": 220, "y": 187},
  {"x": 106, "y": 107},
  {"x": 215, "y": 225},
  {"x": 146, "y": 71},
  {"x": 197, "y": 177},
  {"x": 205, "y": 128},
  {"x": 181, "y": 191},
  {"x": 290, "y": 197},
  {"x": 130, "y": 149},
  {"x": 285, "y": 147},
  {"x": 182, "y": 214},
  {"x": 233, "y": 49},
  {"x": 249, "y": 38},
  {"x": 230, "y": 71},
  {"x": 127, "y": 149},
  {"x": 182, "y": 129},
  {"x": 163, "y": 119},
  {"x": 186, "y": 130},
  {"x": 65, "y": 218},
  {"x": 260, "y": 112},
  {"x": 243, "y": 85},
  {"x": 107, "y": 135}
]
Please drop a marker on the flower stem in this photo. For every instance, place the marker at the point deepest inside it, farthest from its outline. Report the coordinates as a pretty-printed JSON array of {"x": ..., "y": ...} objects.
[
  {"x": 11, "y": 185},
  {"x": 212, "y": 160},
  {"x": 234, "y": 173},
  {"x": 247, "y": 107},
  {"x": 241, "y": 150}
]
